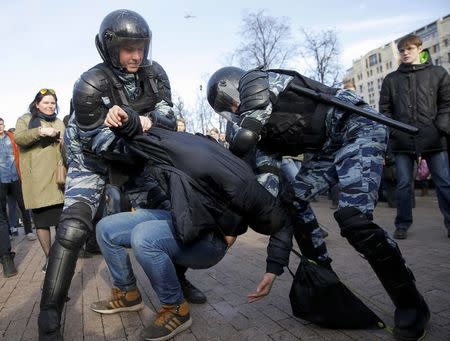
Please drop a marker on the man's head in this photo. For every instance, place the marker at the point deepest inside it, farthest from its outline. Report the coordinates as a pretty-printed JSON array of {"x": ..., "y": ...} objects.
[
  {"x": 124, "y": 40},
  {"x": 222, "y": 89},
  {"x": 2, "y": 126},
  {"x": 214, "y": 132},
  {"x": 410, "y": 48},
  {"x": 181, "y": 124},
  {"x": 222, "y": 137},
  {"x": 349, "y": 84}
]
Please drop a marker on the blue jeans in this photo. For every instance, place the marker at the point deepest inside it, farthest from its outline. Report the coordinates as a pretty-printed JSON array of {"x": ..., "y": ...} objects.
[
  {"x": 439, "y": 169},
  {"x": 151, "y": 236}
]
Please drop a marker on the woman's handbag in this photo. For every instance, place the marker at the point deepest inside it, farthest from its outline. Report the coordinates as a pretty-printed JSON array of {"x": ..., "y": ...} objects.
[{"x": 60, "y": 174}]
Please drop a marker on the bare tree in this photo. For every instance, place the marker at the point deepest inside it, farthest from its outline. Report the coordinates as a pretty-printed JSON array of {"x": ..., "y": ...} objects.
[
  {"x": 179, "y": 107},
  {"x": 202, "y": 117},
  {"x": 320, "y": 51},
  {"x": 266, "y": 41}
]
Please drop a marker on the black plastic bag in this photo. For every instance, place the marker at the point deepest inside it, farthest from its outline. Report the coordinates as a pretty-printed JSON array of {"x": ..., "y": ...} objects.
[{"x": 317, "y": 295}]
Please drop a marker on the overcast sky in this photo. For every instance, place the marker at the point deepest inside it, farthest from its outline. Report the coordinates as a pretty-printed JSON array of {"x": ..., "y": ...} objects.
[{"x": 48, "y": 44}]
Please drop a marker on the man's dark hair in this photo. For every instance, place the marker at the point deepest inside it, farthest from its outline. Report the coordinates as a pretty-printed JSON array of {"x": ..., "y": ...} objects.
[
  {"x": 1, "y": 119},
  {"x": 411, "y": 39}
]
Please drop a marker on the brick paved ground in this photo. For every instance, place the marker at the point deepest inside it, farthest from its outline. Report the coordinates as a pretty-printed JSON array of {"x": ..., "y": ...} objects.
[{"x": 227, "y": 316}]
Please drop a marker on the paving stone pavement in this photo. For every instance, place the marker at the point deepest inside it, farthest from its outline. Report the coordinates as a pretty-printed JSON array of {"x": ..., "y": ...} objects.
[{"x": 226, "y": 315}]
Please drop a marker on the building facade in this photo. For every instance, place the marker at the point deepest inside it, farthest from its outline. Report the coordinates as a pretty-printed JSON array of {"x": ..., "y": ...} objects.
[{"x": 369, "y": 71}]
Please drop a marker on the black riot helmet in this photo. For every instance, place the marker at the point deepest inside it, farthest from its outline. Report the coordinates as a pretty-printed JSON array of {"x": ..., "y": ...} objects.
[
  {"x": 222, "y": 89},
  {"x": 120, "y": 28}
]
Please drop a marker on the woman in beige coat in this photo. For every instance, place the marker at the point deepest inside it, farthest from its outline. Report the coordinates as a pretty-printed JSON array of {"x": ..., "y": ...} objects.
[{"x": 39, "y": 136}]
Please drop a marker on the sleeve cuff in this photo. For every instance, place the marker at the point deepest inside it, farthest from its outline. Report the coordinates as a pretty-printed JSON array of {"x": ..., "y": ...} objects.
[{"x": 274, "y": 268}]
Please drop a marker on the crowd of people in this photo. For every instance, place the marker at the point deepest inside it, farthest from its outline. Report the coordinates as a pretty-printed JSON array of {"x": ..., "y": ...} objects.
[{"x": 137, "y": 180}]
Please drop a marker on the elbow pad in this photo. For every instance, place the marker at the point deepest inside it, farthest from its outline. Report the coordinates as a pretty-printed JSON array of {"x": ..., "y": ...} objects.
[
  {"x": 243, "y": 141},
  {"x": 160, "y": 120}
]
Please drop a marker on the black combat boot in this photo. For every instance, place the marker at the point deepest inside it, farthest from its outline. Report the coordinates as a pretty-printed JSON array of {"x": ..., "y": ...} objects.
[
  {"x": 411, "y": 313},
  {"x": 49, "y": 325},
  {"x": 9, "y": 269}
]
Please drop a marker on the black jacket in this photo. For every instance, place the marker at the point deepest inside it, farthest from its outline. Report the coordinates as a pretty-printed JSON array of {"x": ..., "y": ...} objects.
[
  {"x": 418, "y": 95},
  {"x": 209, "y": 188}
]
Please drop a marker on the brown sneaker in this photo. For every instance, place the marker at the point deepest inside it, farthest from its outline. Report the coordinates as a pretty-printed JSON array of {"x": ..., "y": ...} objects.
[
  {"x": 120, "y": 301},
  {"x": 170, "y": 320}
]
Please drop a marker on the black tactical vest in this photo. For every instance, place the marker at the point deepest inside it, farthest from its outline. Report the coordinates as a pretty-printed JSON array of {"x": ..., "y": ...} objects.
[
  {"x": 147, "y": 99},
  {"x": 297, "y": 122}
]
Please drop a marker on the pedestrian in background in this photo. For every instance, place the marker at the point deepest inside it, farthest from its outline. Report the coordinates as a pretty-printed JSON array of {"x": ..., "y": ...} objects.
[
  {"x": 38, "y": 134},
  {"x": 418, "y": 93},
  {"x": 10, "y": 181}
]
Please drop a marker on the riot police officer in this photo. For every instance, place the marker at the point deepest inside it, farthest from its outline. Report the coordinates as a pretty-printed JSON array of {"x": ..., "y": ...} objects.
[
  {"x": 127, "y": 78},
  {"x": 343, "y": 148}
]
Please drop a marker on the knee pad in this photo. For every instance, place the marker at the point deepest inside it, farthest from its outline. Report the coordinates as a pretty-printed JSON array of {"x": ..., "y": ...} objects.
[
  {"x": 72, "y": 234},
  {"x": 363, "y": 234},
  {"x": 74, "y": 226}
]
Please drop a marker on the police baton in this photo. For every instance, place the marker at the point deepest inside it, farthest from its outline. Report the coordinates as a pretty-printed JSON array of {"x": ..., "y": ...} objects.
[{"x": 329, "y": 99}]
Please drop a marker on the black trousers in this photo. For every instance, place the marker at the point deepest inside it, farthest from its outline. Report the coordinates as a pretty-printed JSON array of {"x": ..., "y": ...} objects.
[
  {"x": 14, "y": 189},
  {"x": 5, "y": 243}
]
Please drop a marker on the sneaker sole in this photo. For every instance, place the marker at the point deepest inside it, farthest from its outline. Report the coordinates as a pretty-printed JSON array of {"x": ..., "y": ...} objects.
[
  {"x": 176, "y": 331},
  {"x": 137, "y": 307}
]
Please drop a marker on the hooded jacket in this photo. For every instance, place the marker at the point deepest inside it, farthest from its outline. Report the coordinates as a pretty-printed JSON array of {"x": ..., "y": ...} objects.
[
  {"x": 209, "y": 188},
  {"x": 418, "y": 95}
]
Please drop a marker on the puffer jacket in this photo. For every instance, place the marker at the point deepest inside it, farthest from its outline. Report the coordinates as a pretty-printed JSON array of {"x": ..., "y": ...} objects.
[
  {"x": 418, "y": 95},
  {"x": 38, "y": 164}
]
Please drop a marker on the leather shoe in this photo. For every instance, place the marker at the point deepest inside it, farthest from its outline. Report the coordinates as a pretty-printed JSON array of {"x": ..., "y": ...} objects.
[
  {"x": 191, "y": 293},
  {"x": 400, "y": 233}
]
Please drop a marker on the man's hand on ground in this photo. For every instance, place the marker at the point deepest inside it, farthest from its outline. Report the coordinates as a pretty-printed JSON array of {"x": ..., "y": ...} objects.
[{"x": 263, "y": 288}]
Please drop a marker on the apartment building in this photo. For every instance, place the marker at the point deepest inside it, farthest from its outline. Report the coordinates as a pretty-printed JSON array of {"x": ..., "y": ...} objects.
[{"x": 369, "y": 71}]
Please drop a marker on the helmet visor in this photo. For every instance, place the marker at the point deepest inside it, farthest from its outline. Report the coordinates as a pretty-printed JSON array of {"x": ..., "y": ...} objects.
[
  {"x": 227, "y": 97},
  {"x": 135, "y": 51}
]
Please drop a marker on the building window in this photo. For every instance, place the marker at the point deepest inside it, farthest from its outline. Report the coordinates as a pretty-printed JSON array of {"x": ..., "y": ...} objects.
[
  {"x": 379, "y": 57},
  {"x": 445, "y": 42},
  {"x": 436, "y": 48},
  {"x": 448, "y": 56},
  {"x": 381, "y": 68},
  {"x": 436, "y": 61},
  {"x": 360, "y": 89},
  {"x": 371, "y": 72},
  {"x": 373, "y": 59}
]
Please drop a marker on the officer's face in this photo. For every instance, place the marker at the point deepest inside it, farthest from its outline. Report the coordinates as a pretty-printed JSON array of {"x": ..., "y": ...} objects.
[
  {"x": 410, "y": 54},
  {"x": 131, "y": 56},
  {"x": 47, "y": 105}
]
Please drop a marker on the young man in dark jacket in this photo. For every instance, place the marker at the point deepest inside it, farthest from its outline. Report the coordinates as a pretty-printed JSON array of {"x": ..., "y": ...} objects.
[
  {"x": 213, "y": 196},
  {"x": 418, "y": 93}
]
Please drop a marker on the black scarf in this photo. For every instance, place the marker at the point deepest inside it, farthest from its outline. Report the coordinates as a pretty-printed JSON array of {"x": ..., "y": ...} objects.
[
  {"x": 36, "y": 117},
  {"x": 35, "y": 122}
]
